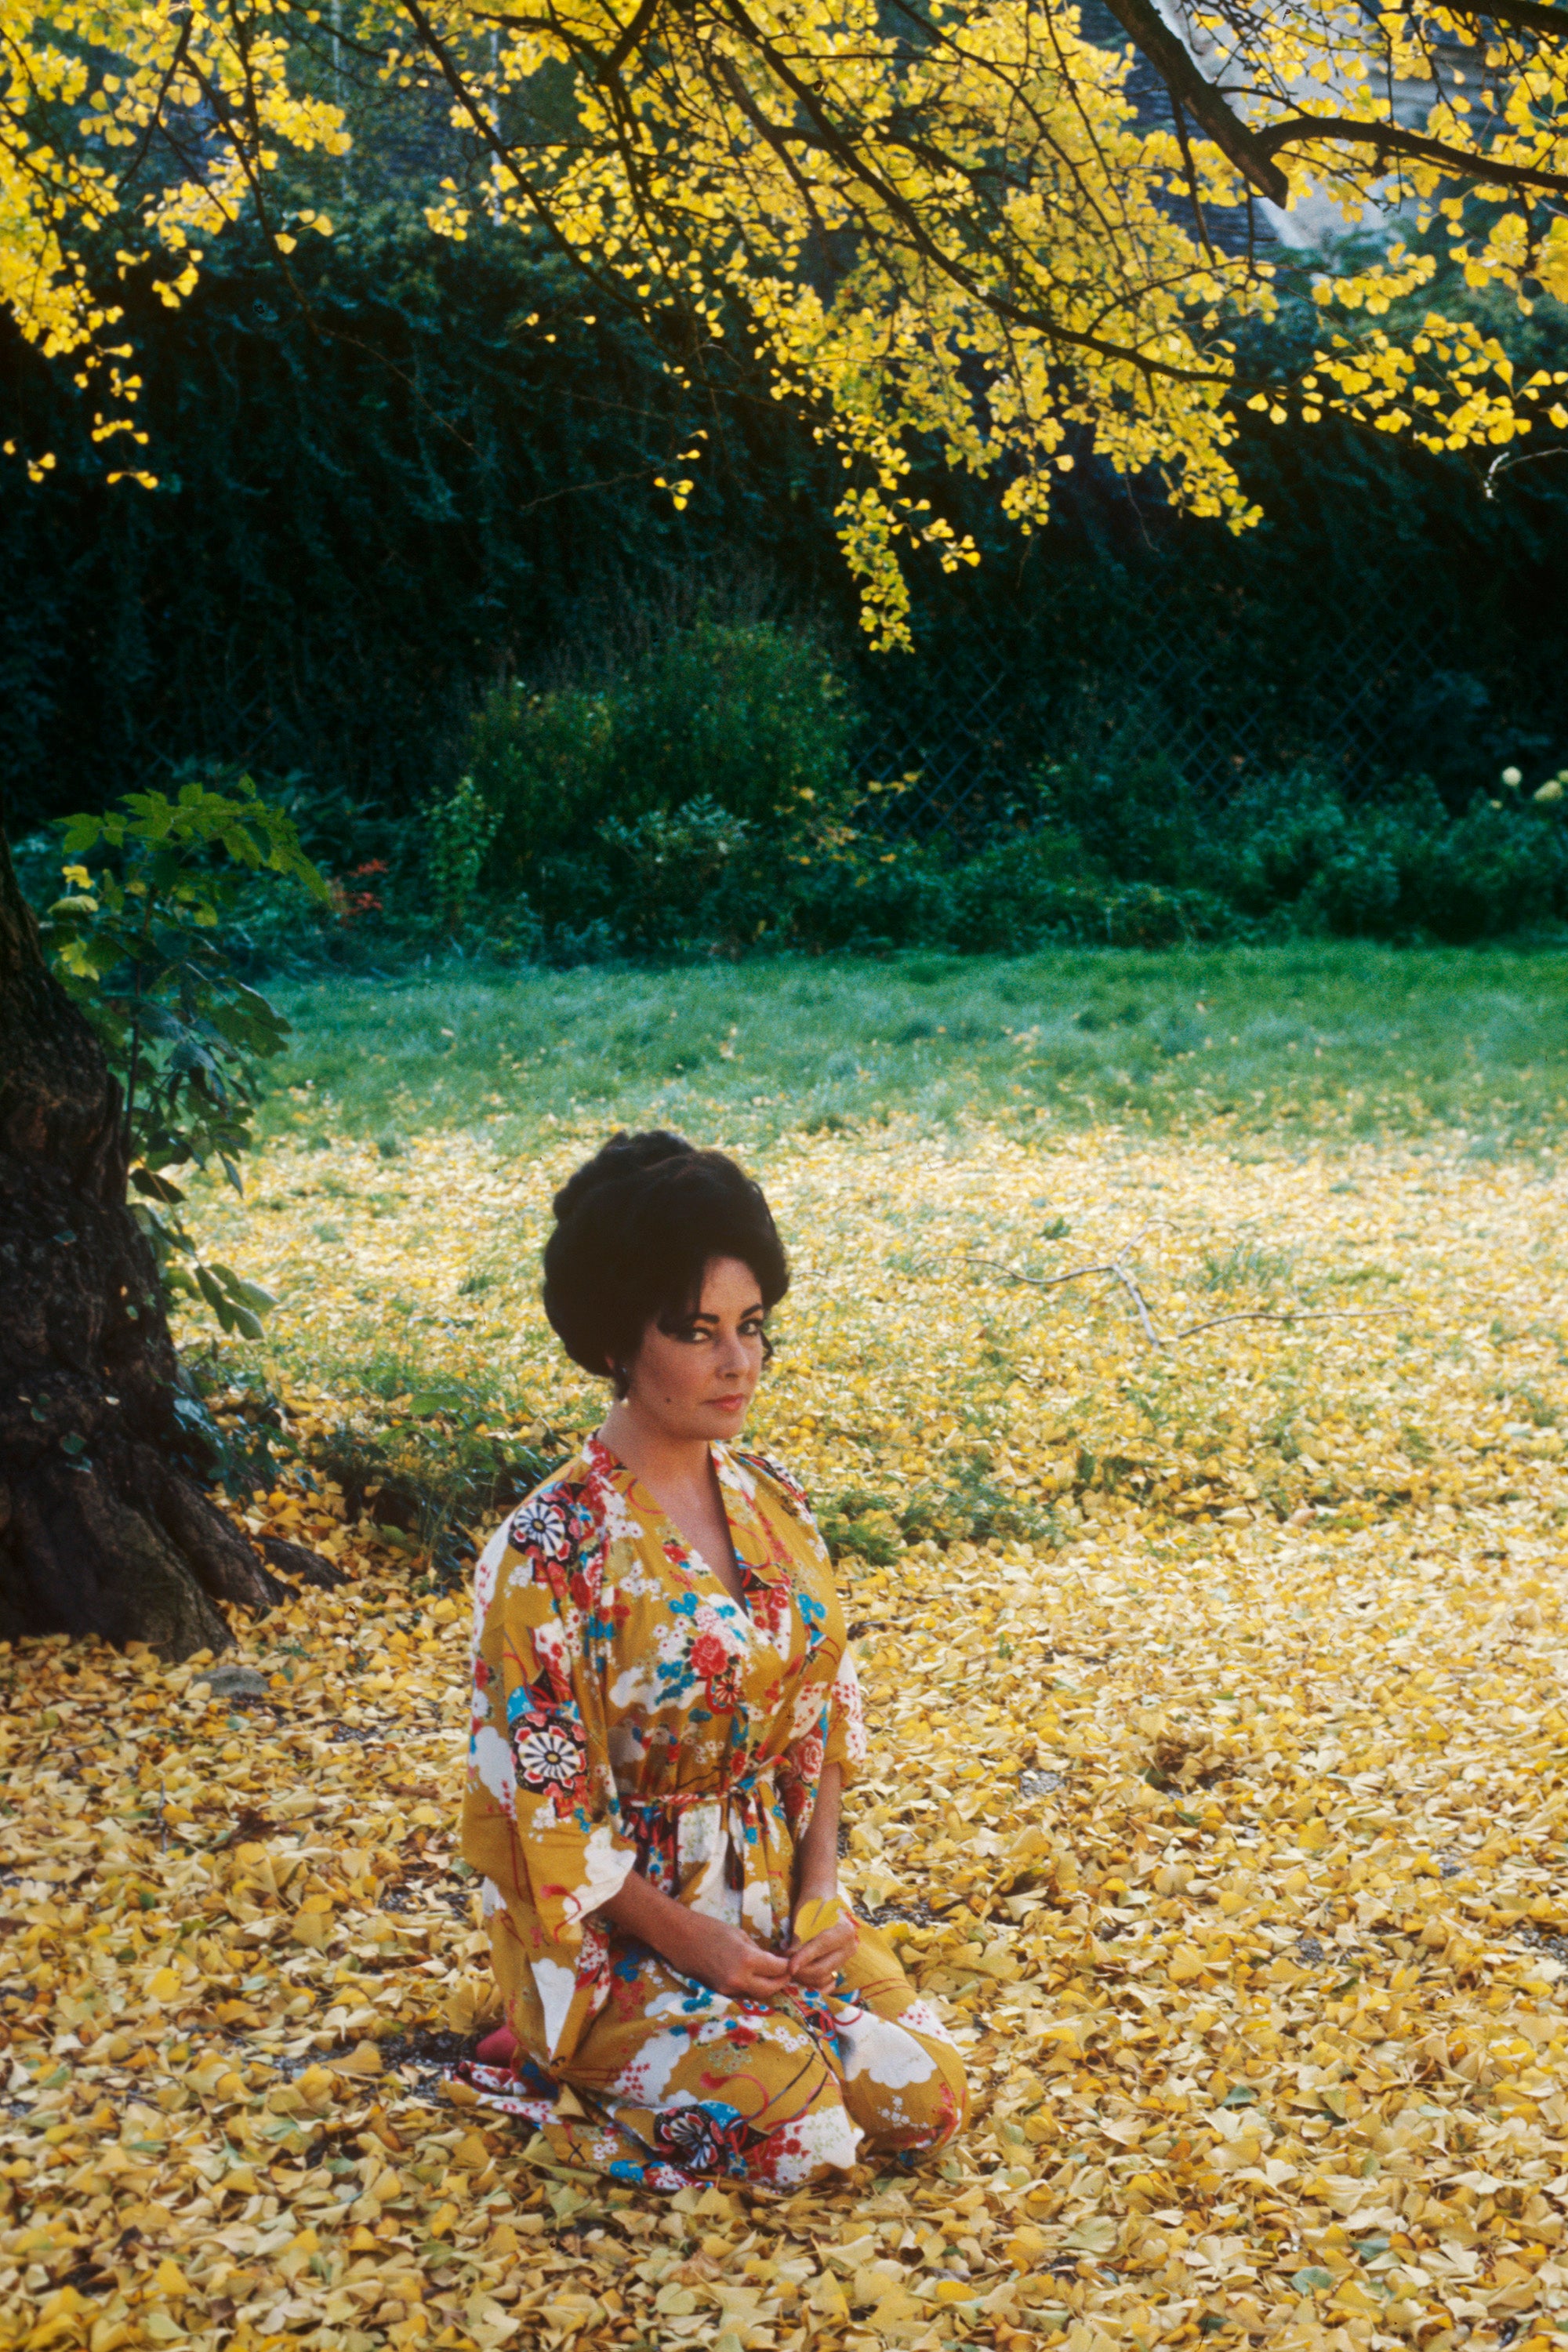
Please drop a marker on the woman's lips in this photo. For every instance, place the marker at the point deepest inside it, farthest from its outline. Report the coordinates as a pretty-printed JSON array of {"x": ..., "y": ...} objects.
[{"x": 730, "y": 1404}]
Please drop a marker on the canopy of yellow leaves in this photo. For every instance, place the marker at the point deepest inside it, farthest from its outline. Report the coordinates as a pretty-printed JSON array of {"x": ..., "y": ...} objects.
[
  {"x": 1222, "y": 1816},
  {"x": 941, "y": 226}
]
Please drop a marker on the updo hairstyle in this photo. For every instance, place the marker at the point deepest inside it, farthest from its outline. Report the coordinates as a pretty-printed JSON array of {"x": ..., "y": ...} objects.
[{"x": 636, "y": 1227}]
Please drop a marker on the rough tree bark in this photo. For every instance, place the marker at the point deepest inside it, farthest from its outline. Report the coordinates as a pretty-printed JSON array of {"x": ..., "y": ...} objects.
[{"x": 103, "y": 1529}]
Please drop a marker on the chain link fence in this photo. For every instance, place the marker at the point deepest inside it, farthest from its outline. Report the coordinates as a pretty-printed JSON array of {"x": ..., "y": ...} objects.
[{"x": 1223, "y": 681}]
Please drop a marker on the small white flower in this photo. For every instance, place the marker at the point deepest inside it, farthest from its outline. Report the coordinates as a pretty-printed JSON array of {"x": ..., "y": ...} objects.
[{"x": 1512, "y": 778}]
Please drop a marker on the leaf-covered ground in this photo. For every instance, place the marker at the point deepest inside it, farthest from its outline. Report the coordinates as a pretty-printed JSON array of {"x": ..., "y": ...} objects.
[{"x": 1220, "y": 1795}]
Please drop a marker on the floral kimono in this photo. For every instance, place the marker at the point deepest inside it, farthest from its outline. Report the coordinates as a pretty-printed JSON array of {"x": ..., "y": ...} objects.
[{"x": 628, "y": 1715}]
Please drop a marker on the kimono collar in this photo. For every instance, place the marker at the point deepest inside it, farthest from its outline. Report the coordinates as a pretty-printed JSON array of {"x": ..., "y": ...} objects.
[
  {"x": 757, "y": 1549},
  {"x": 756, "y": 1543}
]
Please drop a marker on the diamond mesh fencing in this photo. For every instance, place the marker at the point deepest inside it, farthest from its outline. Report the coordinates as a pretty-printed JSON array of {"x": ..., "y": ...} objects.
[{"x": 1220, "y": 680}]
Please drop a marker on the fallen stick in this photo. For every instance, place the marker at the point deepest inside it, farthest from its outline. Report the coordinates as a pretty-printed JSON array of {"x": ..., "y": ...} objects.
[
  {"x": 1136, "y": 1295},
  {"x": 1116, "y": 1270},
  {"x": 1039, "y": 1281},
  {"x": 1300, "y": 1315}
]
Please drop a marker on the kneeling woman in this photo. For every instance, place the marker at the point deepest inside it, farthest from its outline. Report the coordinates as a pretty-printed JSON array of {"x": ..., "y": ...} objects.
[{"x": 665, "y": 1713}]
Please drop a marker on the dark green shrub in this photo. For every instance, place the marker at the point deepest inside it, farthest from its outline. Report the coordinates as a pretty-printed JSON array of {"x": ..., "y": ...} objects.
[
  {"x": 1016, "y": 892},
  {"x": 669, "y": 867},
  {"x": 749, "y": 718},
  {"x": 1026, "y": 889},
  {"x": 1496, "y": 870},
  {"x": 875, "y": 899},
  {"x": 549, "y": 765},
  {"x": 460, "y": 827},
  {"x": 1397, "y": 868},
  {"x": 1136, "y": 817},
  {"x": 753, "y": 717}
]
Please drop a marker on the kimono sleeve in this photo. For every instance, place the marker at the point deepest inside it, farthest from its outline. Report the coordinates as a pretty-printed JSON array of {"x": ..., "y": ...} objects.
[
  {"x": 841, "y": 1724},
  {"x": 844, "y": 1741},
  {"x": 828, "y": 1727},
  {"x": 828, "y": 1724},
  {"x": 541, "y": 1821}
]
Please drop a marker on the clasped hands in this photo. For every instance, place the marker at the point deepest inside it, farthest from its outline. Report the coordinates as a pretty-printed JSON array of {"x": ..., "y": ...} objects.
[
  {"x": 732, "y": 1963},
  {"x": 726, "y": 1957}
]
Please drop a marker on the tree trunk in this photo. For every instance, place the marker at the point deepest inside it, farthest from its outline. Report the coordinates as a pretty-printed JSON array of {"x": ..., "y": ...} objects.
[{"x": 103, "y": 1530}]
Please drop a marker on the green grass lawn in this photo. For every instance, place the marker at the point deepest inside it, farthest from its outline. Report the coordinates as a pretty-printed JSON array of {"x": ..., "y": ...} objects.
[
  {"x": 1336, "y": 1039},
  {"x": 407, "y": 1278}
]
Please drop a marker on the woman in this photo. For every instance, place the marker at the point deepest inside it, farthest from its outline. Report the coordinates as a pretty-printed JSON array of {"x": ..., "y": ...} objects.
[{"x": 665, "y": 1714}]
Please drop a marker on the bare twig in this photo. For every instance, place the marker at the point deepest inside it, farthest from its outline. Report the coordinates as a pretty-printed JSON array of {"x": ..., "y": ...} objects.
[
  {"x": 1136, "y": 1295},
  {"x": 1037, "y": 1281},
  {"x": 1116, "y": 1269},
  {"x": 1297, "y": 1315},
  {"x": 1505, "y": 464}
]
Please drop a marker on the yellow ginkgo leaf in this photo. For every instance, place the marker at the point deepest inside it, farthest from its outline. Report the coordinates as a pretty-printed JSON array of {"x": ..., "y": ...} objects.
[
  {"x": 816, "y": 1915},
  {"x": 363, "y": 2059}
]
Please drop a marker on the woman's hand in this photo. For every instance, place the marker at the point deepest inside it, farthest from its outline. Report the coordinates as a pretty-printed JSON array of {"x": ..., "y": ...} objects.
[
  {"x": 732, "y": 1962},
  {"x": 816, "y": 1963},
  {"x": 725, "y": 1958}
]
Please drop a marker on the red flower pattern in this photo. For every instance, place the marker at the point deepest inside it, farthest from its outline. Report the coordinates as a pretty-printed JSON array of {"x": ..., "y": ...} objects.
[{"x": 709, "y": 1657}]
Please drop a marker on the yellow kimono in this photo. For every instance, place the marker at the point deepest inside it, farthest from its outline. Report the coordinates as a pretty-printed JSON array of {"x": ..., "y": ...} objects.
[{"x": 628, "y": 1713}]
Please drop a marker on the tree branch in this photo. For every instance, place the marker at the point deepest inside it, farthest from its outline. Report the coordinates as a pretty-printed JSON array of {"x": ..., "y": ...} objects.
[
  {"x": 1038, "y": 1281},
  {"x": 851, "y": 156},
  {"x": 1389, "y": 138},
  {"x": 1168, "y": 54},
  {"x": 734, "y": 81},
  {"x": 1178, "y": 110},
  {"x": 155, "y": 118},
  {"x": 489, "y": 137},
  {"x": 641, "y": 20},
  {"x": 1116, "y": 1268},
  {"x": 1552, "y": 22}
]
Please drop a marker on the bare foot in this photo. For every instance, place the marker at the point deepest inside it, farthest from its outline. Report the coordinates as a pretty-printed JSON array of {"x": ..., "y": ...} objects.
[{"x": 498, "y": 2049}]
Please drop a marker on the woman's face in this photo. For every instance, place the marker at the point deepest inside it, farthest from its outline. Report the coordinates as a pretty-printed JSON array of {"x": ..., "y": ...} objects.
[{"x": 697, "y": 1381}]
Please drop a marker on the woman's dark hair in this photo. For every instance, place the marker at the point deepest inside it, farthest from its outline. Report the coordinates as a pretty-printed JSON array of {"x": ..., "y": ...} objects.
[{"x": 635, "y": 1228}]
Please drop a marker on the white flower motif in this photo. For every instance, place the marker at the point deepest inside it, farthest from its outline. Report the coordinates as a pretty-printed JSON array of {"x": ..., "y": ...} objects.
[
  {"x": 608, "y": 1866},
  {"x": 485, "y": 1576},
  {"x": 543, "y": 1527},
  {"x": 644, "y": 2083},
  {"x": 493, "y": 1767},
  {"x": 547, "y": 1758},
  {"x": 919, "y": 2017},
  {"x": 556, "y": 1987},
  {"x": 880, "y": 2047},
  {"x": 826, "y": 2137},
  {"x": 636, "y": 1687},
  {"x": 671, "y": 1641},
  {"x": 808, "y": 1706}
]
